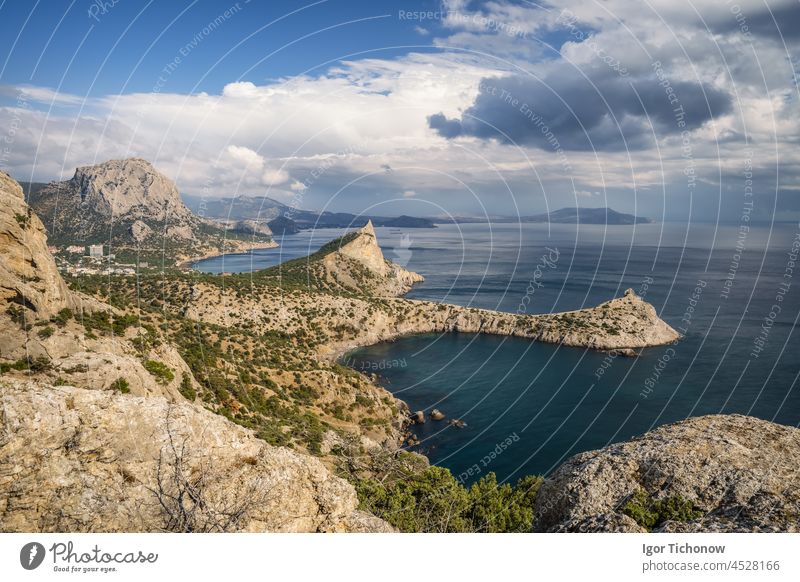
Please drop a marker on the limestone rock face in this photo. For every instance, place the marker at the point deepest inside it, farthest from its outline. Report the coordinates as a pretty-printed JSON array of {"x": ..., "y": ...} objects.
[
  {"x": 114, "y": 202},
  {"x": 75, "y": 460},
  {"x": 739, "y": 471},
  {"x": 624, "y": 322},
  {"x": 119, "y": 187},
  {"x": 140, "y": 231},
  {"x": 28, "y": 273}
]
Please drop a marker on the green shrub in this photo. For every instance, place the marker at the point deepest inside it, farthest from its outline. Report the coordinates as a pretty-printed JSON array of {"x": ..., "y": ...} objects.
[
  {"x": 432, "y": 500},
  {"x": 45, "y": 332},
  {"x": 23, "y": 220},
  {"x": 121, "y": 385},
  {"x": 40, "y": 364},
  {"x": 186, "y": 388},
  {"x": 62, "y": 317},
  {"x": 651, "y": 513},
  {"x": 160, "y": 370}
]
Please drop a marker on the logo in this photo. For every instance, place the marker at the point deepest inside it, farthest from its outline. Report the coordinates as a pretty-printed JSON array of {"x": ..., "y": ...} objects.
[
  {"x": 402, "y": 253},
  {"x": 31, "y": 555}
]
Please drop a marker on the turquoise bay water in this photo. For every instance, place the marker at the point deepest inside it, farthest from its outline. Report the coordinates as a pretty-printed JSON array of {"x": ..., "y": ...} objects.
[{"x": 738, "y": 310}]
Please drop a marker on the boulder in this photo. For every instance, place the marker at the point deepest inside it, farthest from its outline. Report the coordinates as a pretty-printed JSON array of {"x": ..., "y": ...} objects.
[
  {"x": 437, "y": 414},
  {"x": 739, "y": 473},
  {"x": 75, "y": 460}
]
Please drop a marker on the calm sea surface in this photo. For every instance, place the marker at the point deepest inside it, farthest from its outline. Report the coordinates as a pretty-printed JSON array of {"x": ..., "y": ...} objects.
[{"x": 731, "y": 294}]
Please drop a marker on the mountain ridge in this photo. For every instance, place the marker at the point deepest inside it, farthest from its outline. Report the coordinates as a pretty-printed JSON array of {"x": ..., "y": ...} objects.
[{"x": 266, "y": 209}]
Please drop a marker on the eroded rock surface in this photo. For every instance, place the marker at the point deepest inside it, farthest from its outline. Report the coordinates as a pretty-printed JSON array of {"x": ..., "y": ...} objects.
[
  {"x": 28, "y": 273},
  {"x": 83, "y": 460},
  {"x": 739, "y": 472},
  {"x": 386, "y": 278}
]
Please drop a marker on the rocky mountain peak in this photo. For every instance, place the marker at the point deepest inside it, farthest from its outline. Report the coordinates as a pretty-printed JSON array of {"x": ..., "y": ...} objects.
[
  {"x": 119, "y": 187},
  {"x": 368, "y": 229},
  {"x": 129, "y": 206},
  {"x": 364, "y": 248}
]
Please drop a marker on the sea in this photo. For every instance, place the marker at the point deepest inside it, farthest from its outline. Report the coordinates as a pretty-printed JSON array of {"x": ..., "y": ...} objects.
[{"x": 732, "y": 291}]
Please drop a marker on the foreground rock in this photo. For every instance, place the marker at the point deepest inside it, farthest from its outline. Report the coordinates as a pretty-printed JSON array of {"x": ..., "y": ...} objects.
[
  {"x": 75, "y": 460},
  {"x": 28, "y": 274},
  {"x": 738, "y": 473}
]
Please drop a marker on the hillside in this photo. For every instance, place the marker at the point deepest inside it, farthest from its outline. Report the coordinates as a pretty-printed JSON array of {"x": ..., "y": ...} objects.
[
  {"x": 267, "y": 209},
  {"x": 352, "y": 264},
  {"x": 136, "y": 211},
  {"x": 587, "y": 216}
]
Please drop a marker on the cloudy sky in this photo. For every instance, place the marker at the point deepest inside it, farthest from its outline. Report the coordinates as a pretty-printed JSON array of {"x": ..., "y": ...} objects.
[{"x": 669, "y": 108}]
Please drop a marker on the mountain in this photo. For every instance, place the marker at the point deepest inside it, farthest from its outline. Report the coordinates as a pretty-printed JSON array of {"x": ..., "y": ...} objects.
[
  {"x": 268, "y": 209},
  {"x": 561, "y": 216},
  {"x": 353, "y": 263},
  {"x": 228, "y": 387},
  {"x": 135, "y": 210},
  {"x": 587, "y": 216},
  {"x": 404, "y": 221},
  {"x": 81, "y": 381},
  {"x": 283, "y": 225}
]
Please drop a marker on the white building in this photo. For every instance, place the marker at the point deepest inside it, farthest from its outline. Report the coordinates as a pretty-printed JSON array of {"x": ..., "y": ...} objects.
[{"x": 96, "y": 251}]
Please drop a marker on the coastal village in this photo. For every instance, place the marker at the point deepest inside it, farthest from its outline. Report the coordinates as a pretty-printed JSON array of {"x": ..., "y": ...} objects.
[{"x": 92, "y": 259}]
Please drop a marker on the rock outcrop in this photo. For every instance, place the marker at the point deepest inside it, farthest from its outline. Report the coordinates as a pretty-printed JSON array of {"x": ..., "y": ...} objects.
[
  {"x": 80, "y": 460},
  {"x": 738, "y": 473},
  {"x": 386, "y": 278},
  {"x": 121, "y": 187},
  {"x": 28, "y": 274},
  {"x": 32, "y": 292}
]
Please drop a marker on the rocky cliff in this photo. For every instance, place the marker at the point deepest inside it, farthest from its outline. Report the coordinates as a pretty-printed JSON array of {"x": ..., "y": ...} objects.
[
  {"x": 133, "y": 208},
  {"x": 350, "y": 265},
  {"x": 624, "y": 323},
  {"x": 74, "y": 460},
  {"x": 28, "y": 274},
  {"x": 44, "y": 323},
  {"x": 386, "y": 278},
  {"x": 725, "y": 473}
]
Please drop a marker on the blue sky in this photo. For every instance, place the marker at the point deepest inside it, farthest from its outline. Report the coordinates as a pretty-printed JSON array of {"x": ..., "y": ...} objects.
[
  {"x": 676, "y": 109},
  {"x": 100, "y": 52}
]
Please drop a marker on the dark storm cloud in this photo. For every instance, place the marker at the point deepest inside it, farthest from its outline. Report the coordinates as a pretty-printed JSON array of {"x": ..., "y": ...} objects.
[
  {"x": 778, "y": 22},
  {"x": 608, "y": 112}
]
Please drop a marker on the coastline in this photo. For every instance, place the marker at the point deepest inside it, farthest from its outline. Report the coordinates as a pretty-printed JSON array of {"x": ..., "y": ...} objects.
[
  {"x": 246, "y": 248},
  {"x": 639, "y": 326}
]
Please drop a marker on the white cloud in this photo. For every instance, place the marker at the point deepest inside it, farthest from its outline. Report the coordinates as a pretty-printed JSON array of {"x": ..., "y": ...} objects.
[
  {"x": 297, "y": 186},
  {"x": 409, "y": 194}
]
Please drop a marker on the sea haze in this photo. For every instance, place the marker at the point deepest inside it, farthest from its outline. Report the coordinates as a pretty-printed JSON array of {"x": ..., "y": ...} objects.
[{"x": 738, "y": 353}]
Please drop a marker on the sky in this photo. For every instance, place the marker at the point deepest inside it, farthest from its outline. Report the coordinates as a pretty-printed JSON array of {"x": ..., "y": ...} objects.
[{"x": 672, "y": 109}]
